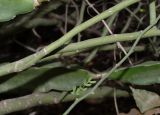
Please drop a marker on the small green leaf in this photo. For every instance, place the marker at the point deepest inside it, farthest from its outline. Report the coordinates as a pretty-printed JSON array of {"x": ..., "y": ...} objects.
[
  {"x": 10, "y": 8},
  {"x": 145, "y": 100},
  {"x": 44, "y": 79},
  {"x": 92, "y": 82},
  {"x": 87, "y": 84},
  {"x": 144, "y": 74},
  {"x": 74, "y": 91}
]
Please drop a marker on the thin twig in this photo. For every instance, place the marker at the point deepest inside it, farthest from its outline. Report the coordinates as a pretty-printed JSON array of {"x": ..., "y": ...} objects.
[{"x": 115, "y": 102}]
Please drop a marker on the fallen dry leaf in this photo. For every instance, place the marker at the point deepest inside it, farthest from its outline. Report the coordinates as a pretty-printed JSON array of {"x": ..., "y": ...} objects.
[
  {"x": 132, "y": 112},
  {"x": 145, "y": 100},
  {"x": 155, "y": 111}
]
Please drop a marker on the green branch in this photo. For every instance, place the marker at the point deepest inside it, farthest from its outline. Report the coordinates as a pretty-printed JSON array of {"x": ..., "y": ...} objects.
[
  {"x": 152, "y": 11},
  {"x": 107, "y": 40},
  {"x": 36, "y": 99},
  {"x": 75, "y": 48}
]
